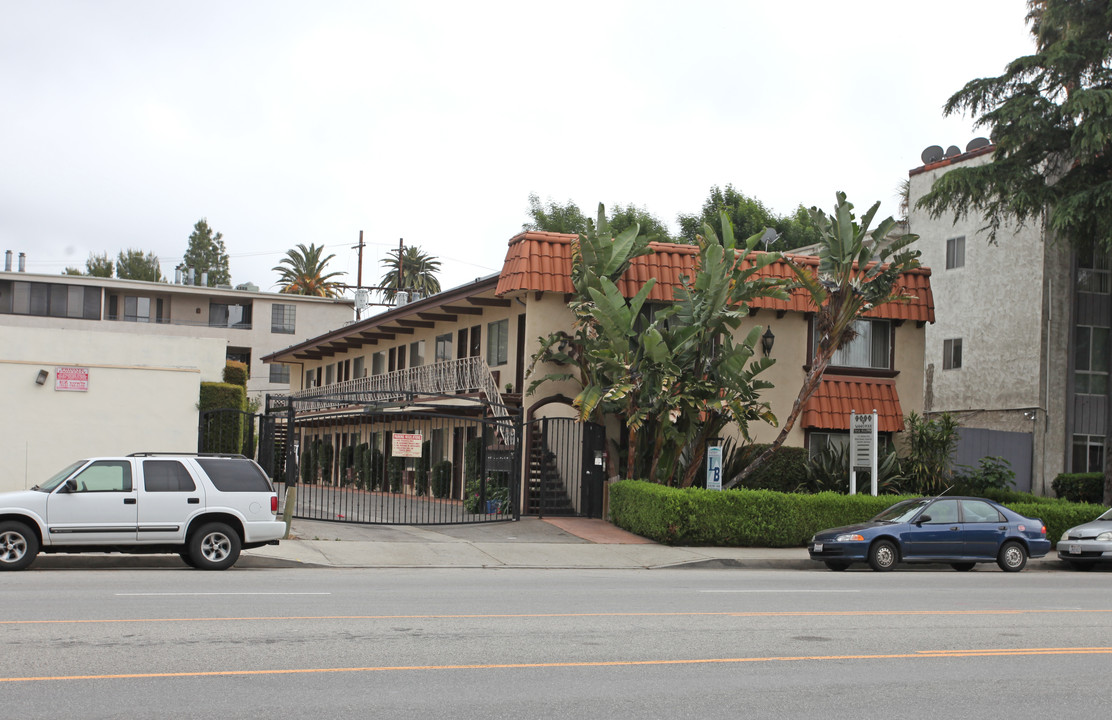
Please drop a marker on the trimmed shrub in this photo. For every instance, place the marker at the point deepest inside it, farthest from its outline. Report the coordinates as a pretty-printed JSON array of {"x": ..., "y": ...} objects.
[
  {"x": 376, "y": 466},
  {"x": 421, "y": 474},
  {"x": 324, "y": 454},
  {"x": 347, "y": 461},
  {"x": 785, "y": 471},
  {"x": 308, "y": 464},
  {"x": 395, "y": 473},
  {"x": 235, "y": 373},
  {"x": 1080, "y": 487},
  {"x": 764, "y": 518},
  {"x": 359, "y": 463},
  {"x": 223, "y": 431},
  {"x": 442, "y": 479},
  {"x": 472, "y": 458}
]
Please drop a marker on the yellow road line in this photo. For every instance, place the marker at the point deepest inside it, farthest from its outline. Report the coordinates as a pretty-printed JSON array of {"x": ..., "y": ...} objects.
[
  {"x": 504, "y": 616},
  {"x": 1001, "y": 652}
]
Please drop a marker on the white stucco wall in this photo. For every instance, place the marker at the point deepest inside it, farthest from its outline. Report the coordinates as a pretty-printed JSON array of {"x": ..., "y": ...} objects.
[{"x": 142, "y": 396}]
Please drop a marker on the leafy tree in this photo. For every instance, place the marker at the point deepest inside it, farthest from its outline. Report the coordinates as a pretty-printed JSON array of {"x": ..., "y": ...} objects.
[
  {"x": 750, "y": 217},
  {"x": 72, "y": 271},
  {"x": 1050, "y": 117},
  {"x": 568, "y": 218},
  {"x": 135, "y": 265},
  {"x": 206, "y": 254},
  {"x": 554, "y": 217},
  {"x": 418, "y": 273},
  {"x": 857, "y": 271},
  {"x": 301, "y": 272},
  {"x": 98, "y": 265}
]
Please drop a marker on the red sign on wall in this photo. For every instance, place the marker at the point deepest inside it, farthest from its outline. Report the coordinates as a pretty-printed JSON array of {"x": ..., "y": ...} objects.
[
  {"x": 406, "y": 445},
  {"x": 73, "y": 379}
]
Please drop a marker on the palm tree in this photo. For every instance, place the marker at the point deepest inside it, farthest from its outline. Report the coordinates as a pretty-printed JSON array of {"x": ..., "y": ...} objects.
[
  {"x": 302, "y": 273},
  {"x": 857, "y": 270},
  {"x": 418, "y": 273}
]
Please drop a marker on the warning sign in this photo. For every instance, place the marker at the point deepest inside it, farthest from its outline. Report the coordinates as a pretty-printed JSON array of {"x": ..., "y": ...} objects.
[
  {"x": 407, "y": 445},
  {"x": 73, "y": 379}
]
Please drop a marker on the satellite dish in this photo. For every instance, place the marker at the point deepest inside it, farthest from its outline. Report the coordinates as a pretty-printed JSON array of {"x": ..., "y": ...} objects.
[
  {"x": 953, "y": 151},
  {"x": 931, "y": 155},
  {"x": 976, "y": 144},
  {"x": 770, "y": 236}
]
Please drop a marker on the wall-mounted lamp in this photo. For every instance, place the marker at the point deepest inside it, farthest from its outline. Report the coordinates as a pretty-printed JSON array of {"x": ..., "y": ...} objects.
[
  {"x": 767, "y": 340},
  {"x": 41, "y": 378}
]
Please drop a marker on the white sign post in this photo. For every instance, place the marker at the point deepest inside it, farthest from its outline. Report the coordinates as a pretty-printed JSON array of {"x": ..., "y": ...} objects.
[
  {"x": 862, "y": 448},
  {"x": 714, "y": 468}
]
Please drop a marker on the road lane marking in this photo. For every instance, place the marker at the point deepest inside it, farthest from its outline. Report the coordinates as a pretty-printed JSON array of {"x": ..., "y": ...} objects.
[
  {"x": 526, "y": 616},
  {"x": 779, "y": 592},
  {"x": 196, "y": 594},
  {"x": 922, "y": 654}
]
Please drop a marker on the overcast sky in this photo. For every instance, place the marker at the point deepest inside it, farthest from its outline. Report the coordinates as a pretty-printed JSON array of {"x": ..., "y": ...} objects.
[{"x": 123, "y": 123}]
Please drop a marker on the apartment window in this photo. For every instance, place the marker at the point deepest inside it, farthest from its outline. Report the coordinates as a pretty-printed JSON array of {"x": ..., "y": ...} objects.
[
  {"x": 329, "y": 374},
  {"x": 280, "y": 373},
  {"x": 1088, "y": 453},
  {"x": 378, "y": 363},
  {"x": 230, "y": 315},
  {"x": 872, "y": 348},
  {"x": 955, "y": 252},
  {"x": 1094, "y": 271},
  {"x": 443, "y": 347},
  {"x": 951, "y": 354},
  {"x": 283, "y": 318},
  {"x": 358, "y": 370},
  {"x": 498, "y": 342},
  {"x": 417, "y": 353},
  {"x": 1090, "y": 360},
  {"x": 821, "y": 441},
  {"x": 48, "y": 299},
  {"x": 310, "y": 378}
]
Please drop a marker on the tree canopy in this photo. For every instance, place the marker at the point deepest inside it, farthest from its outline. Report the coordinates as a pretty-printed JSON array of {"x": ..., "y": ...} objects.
[
  {"x": 137, "y": 265},
  {"x": 568, "y": 218},
  {"x": 418, "y": 273},
  {"x": 99, "y": 265},
  {"x": 749, "y": 216},
  {"x": 206, "y": 254},
  {"x": 302, "y": 272},
  {"x": 1050, "y": 117}
]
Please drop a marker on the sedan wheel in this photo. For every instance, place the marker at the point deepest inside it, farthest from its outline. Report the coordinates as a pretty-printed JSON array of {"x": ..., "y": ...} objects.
[
  {"x": 962, "y": 567},
  {"x": 1012, "y": 557},
  {"x": 883, "y": 555}
]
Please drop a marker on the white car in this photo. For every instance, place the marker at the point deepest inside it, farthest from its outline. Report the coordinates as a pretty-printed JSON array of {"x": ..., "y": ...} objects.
[
  {"x": 205, "y": 508},
  {"x": 1088, "y": 545}
]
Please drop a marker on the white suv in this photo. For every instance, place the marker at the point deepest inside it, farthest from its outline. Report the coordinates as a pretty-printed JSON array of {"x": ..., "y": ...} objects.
[{"x": 204, "y": 507}]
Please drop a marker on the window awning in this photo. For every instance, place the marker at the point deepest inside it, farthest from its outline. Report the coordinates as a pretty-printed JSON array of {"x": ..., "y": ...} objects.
[{"x": 836, "y": 397}]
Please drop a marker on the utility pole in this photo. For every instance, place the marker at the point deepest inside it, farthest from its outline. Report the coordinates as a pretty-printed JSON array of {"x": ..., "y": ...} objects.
[
  {"x": 401, "y": 275},
  {"x": 359, "y": 275}
]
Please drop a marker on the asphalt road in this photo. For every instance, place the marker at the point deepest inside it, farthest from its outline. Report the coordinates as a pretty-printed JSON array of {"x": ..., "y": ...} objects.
[{"x": 323, "y": 643}]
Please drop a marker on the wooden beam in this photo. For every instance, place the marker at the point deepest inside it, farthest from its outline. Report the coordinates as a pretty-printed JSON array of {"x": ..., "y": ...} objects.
[
  {"x": 415, "y": 323},
  {"x": 488, "y": 302},
  {"x": 399, "y": 330},
  {"x": 445, "y": 317},
  {"x": 460, "y": 310}
]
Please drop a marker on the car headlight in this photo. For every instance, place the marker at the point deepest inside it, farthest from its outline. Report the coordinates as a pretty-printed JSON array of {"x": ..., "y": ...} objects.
[
  {"x": 849, "y": 537},
  {"x": 1065, "y": 536},
  {"x": 1104, "y": 537}
]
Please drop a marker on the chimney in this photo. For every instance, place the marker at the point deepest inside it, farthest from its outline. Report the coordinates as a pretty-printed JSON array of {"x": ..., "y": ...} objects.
[
  {"x": 204, "y": 279},
  {"x": 23, "y": 262},
  {"x": 8, "y": 261}
]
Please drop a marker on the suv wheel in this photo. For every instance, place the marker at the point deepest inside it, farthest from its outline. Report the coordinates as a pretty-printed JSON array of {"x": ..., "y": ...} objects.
[
  {"x": 18, "y": 546},
  {"x": 214, "y": 547}
]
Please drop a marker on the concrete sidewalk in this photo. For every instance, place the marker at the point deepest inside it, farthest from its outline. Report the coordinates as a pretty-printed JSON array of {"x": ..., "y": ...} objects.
[{"x": 558, "y": 543}]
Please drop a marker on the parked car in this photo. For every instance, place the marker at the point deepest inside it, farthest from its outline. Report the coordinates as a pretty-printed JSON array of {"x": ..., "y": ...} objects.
[
  {"x": 205, "y": 508},
  {"x": 1086, "y": 545},
  {"x": 961, "y": 531}
]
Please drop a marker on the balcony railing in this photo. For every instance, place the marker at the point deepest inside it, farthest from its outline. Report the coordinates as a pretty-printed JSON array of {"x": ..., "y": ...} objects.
[{"x": 442, "y": 378}]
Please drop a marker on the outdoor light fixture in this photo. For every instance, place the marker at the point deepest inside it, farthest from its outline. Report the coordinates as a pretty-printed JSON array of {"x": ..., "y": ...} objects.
[
  {"x": 766, "y": 341},
  {"x": 41, "y": 379}
]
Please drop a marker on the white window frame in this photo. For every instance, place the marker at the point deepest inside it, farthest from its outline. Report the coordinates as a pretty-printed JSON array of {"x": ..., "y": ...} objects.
[
  {"x": 951, "y": 354},
  {"x": 955, "y": 252}
]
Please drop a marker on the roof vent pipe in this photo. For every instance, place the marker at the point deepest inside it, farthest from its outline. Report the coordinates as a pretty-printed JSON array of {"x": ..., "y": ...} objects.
[
  {"x": 8, "y": 261},
  {"x": 23, "y": 262},
  {"x": 204, "y": 279}
]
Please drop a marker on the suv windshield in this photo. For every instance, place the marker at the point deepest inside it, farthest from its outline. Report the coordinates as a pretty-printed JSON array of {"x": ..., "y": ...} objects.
[
  {"x": 57, "y": 478},
  {"x": 902, "y": 511}
]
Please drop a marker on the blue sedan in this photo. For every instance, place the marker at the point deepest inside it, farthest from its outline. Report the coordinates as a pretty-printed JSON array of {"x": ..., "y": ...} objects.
[{"x": 961, "y": 531}]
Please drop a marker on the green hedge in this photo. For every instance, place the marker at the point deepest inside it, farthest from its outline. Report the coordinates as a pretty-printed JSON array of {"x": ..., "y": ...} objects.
[
  {"x": 785, "y": 471},
  {"x": 765, "y": 518},
  {"x": 1080, "y": 487}
]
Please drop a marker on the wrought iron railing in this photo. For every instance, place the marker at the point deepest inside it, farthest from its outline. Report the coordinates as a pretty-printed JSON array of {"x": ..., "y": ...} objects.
[{"x": 444, "y": 378}]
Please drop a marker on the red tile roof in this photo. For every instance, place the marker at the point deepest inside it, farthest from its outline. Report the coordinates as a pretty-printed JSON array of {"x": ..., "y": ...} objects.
[
  {"x": 836, "y": 397},
  {"x": 541, "y": 261}
]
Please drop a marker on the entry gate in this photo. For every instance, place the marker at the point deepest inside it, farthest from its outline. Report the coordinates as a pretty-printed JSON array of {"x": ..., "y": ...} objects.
[
  {"x": 397, "y": 463},
  {"x": 566, "y": 467}
]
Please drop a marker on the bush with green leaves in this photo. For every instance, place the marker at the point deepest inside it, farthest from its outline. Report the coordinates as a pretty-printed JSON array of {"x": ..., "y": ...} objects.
[
  {"x": 929, "y": 453},
  {"x": 308, "y": 463},
  {"x": 347, "y": 462},
  {"x": 395, "y": 473},
  {"x": 375, "y": 468},
  {"x": 828, "y": 471},
  {"x": 421, "y": 472},
  {"x": 324, "y": 454},
  {"x": 442, "y": 479},
  {"x": 1080, "y": 487},
  {"x": 991, "y": 473},
  {"x": 784, "y": 471}
]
